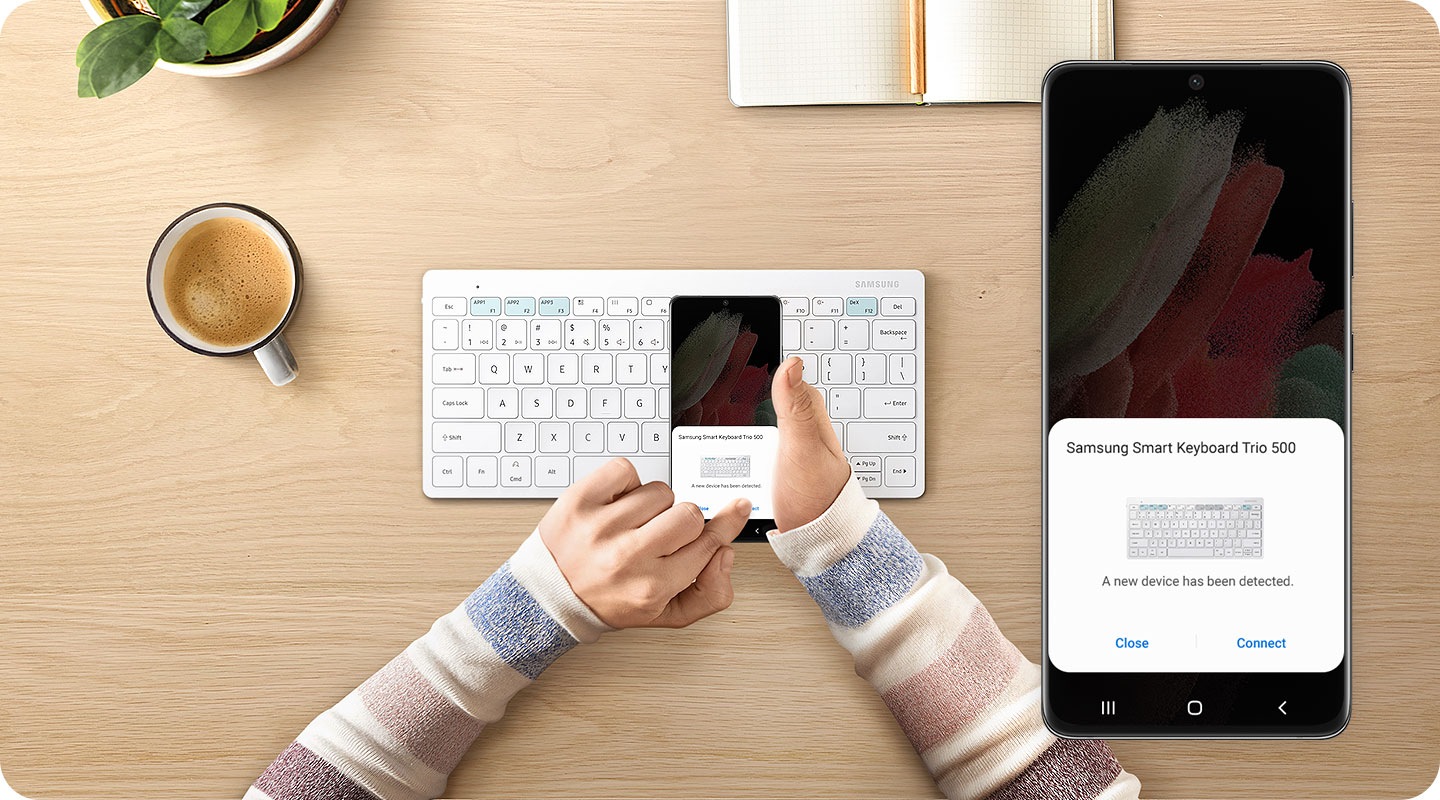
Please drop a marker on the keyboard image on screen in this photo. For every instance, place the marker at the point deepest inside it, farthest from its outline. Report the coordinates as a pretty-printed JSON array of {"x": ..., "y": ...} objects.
[
  {"x": 1195, "y": 527},
  {"x": 533, "y": 378},
  {"x": 725, "y": 467}
]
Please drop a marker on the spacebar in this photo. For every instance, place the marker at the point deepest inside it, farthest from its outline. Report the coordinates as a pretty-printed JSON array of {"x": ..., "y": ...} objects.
[
  {"x": 1190, "y": 552},
  {"x": 650, "y": 468}
]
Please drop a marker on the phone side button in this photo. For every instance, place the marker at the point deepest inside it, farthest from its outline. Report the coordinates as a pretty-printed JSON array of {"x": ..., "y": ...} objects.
[{"x": 1352, "y": 353}]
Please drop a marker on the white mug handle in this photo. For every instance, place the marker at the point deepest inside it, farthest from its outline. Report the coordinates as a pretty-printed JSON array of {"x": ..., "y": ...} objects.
[{"x": 277, "y": 361}]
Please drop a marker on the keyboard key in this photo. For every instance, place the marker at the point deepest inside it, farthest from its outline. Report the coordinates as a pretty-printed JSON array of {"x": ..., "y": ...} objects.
[
  {"x": 605, "y": 403},
  {"x": 477, "y": 334},
  {"x": 465, "y": 437},
  {"x": 662, "y": 402},
  {"x": 867, "y": 478},
  {"x": 445, "y": 334},
  {"x": 519, "y": 306},
  {"x": 655, "y": 437},
  {"x": 655, "y": 306},
  {"x": 485, "y": 307},
  {"x": 528, "y": 368},
  {"x": 639, "y": 402},
  {"x": 494, "y": 368},
  {"x": 589, "y": 306},
  {"x": 458, "y": 403},
  {"x": 545, "y": 334},
  {"x": 900, "y": 471},
  {"x": 889, "y": 403},
  {"x": 552, "y": 471},
  {"x": 844, "y": 402},
  {"x": 839, "y": 433},
  {"x": 447, "y": 471},
  {"x": 865, "y": 463},
  {"x": 624, "y": 306},
  {"x": 795, "y": 306},
  {"x": 555, "y": 437},
  {"x": 631, "y": 369},
  {"x": 789, "y": 335},
  {"x": 562, "y": 368},
  {"x": 537, "y": 402},
  {"x": 452, "y": 368},
  {"x": 510, "y": 335},
  {"x": 649, "y": 468},
  {"x": 482, "y": 471},
  {"x": 893, "y": 335},
  {"x": 622, "y": 437},
  {"x": 854, "y": 334},
  {"x": 589, "y": 438},
  {"x": 660, "y": 370},
  {"x": 880, "y": 437},
  {"x": 861, "y": 306},
  {"x": 554, "y": 306},
  {"x": 502, "y": 402},
  {"x": 819, "y": 334},
  {"x": 515, "y": 471},
  {"x": 614, "y": 334},
  {"x": 448, "y": 306},
  {"x": 827, "y": 307},
  {"x": 836, "y": 368},
  {"x": 571, "y": 403},
  {"x": 897, "y": 306},
  {"x": 902, "y": 368},
  {"x": 597, "y": 368},
  {"x": 870, "y": 369},
  {"x": 649, "y": 334},
  {"x": 519, "y": 437},
  {"x": 580, "y": 334}
]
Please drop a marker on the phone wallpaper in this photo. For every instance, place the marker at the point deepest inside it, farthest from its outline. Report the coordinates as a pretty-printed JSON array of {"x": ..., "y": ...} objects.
[
  {"x": 1196, "y": 269},
  {"x": 720, "y": 375}
]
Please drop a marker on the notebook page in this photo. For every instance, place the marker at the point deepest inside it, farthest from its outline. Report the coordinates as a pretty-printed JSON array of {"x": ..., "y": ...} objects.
[
  {"x": 999, "y": 50},
  {"x": 807, "y": 52}
]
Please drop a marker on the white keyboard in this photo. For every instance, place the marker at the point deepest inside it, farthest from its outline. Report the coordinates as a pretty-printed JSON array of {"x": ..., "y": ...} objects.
[
  {"x": 532, "y": 378},
  {"x": 1195, "y": 527}
]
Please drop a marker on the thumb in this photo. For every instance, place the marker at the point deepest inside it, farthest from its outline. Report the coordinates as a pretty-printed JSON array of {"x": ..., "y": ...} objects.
[
  {"x": 799, "y": 408},
  {"x": 710, "y": 593}
]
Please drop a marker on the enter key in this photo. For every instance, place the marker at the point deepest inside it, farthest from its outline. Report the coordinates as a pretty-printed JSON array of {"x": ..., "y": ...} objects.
[{"x": 890, "y": 403}]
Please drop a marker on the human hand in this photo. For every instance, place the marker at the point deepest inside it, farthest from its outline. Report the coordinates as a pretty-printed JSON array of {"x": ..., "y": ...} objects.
[
  {"x": 811, "y": 469},
  {"x": 634, "y": 556}
]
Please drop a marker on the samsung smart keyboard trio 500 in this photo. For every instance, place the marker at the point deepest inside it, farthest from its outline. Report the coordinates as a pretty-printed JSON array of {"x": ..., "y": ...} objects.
[{"x": 532, "y": 378}]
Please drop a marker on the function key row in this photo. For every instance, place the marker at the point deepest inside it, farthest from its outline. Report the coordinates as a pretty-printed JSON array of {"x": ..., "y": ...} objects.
[
  {"x": 658, "y": 306},
  {"x": 551, "y": 306}
]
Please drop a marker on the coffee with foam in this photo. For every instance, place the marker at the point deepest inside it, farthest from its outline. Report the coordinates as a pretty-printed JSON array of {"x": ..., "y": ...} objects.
[{"x": 227, "y": 282}]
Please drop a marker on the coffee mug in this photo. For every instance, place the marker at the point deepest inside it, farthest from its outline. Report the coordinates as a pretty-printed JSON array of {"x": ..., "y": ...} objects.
[{"x": 267, "y": 342}]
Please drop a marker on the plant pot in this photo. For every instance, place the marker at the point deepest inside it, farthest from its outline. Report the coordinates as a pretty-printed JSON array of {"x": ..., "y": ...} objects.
[{"x": 304, "y": 24}]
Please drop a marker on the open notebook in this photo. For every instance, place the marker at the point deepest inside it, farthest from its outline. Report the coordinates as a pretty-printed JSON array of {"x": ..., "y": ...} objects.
[{"x": 812, "y": 52}]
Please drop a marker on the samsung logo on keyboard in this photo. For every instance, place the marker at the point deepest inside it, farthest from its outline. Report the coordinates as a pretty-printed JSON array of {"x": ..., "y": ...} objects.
[{"x": 877, "y": 284}]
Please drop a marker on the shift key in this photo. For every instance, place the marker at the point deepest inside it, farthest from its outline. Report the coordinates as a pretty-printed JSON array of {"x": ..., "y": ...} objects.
[{"x": 880, "y": 437}]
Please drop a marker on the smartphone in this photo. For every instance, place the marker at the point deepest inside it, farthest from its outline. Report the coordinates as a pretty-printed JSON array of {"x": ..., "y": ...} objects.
[
  {"x": 723, "y": 436},
  {"x": 1196, "y": 415}
]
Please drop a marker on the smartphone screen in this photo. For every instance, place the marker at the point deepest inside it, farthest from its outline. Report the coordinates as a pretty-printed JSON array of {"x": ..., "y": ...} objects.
[
  {"x": 723, "y": 438},
  {"x": 1197, "y": 373}
]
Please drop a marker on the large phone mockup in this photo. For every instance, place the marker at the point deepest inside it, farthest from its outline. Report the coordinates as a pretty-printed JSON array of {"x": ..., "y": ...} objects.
[
  {"x": 723, "y": 436},
  {"x": 1196, "y": 418}
]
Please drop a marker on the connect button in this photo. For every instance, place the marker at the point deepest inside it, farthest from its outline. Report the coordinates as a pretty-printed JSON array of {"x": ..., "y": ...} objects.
[{"x": 1260, "y": 644}]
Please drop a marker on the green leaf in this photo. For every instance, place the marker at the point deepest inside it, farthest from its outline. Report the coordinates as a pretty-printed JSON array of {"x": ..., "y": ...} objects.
[
  {"x": 269, "y": 13},
  {"x": 116, "y": 54},
  {"x": 181, "y": 41},
  {"x": 185, "y": 9},
  {"x": 231, "y": 27}
]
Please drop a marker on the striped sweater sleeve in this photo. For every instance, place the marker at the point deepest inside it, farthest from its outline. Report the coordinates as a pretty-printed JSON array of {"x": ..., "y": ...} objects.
[
  {"x": 400, "y": 734},
  {"x": 968, "y": 700}
]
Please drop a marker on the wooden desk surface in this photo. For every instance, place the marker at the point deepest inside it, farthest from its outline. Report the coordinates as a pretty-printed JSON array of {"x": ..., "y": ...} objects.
[{"x": 195, "y": 563}]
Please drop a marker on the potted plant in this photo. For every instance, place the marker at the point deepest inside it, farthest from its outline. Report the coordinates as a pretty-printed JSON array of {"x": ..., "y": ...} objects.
[{"x": 212, "y": 38}]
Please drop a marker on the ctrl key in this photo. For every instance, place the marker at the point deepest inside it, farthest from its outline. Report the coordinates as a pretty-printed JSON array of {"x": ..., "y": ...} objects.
[{"x": 445, "y": 472}]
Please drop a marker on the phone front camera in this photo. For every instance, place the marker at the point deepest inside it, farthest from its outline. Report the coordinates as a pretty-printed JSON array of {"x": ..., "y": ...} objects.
[{"x": 1197, "y": 82}]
